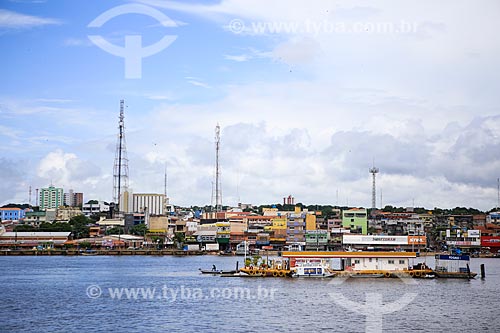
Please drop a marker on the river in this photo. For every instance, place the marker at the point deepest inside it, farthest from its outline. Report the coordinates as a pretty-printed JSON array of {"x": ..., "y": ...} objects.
[{"x": 83, "y": 294}]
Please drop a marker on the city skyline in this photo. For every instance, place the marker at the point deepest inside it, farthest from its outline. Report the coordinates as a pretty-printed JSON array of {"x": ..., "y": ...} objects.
[{"x": 303, "y": 110}]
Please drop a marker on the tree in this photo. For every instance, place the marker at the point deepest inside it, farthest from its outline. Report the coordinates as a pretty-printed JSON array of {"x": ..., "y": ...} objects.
[
  {"x": 138, "y": 229},
  {"x": 85, "y": 245},
  {"x": 115, "y": 231},
  {"x": 80, "y": 228},
  {"x": 179, "y": 239},
  {"x": 24, "y": 227}
]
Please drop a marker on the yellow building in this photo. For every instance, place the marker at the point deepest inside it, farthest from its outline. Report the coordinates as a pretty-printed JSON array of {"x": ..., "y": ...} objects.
[
  {"x": 278, "y": 223},
  {"x": 310, "y": 222}
]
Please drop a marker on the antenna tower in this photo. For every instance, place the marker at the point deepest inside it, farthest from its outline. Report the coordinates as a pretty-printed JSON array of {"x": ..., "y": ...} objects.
[
  {"x": 120, "y": 169},
  {"x": 374, "y": 171},
  {"x": 218, "y": 190}
]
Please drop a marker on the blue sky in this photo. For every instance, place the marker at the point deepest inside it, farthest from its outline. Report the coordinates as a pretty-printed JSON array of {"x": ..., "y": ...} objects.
[{"x": 304, "y": 110}]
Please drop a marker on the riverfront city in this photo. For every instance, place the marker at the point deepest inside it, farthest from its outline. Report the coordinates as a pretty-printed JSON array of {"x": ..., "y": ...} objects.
[{"x": 235, "y": 166}]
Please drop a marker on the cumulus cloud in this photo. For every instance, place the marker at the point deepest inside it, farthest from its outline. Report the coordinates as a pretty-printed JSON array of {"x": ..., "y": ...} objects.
[{"x": 14, "y": 183}]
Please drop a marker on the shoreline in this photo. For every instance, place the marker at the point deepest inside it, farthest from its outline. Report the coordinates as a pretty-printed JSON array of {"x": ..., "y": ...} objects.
[{"x": 153, "y": 252}]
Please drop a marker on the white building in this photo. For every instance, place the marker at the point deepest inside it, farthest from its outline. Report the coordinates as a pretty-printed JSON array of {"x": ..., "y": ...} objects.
[
  {"x": 153, "y": 204},
  {"x": 92, "y": 207}
]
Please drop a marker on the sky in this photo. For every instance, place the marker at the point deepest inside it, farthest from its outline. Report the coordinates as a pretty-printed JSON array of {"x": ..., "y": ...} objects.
[{"x": 309, "y": 95}]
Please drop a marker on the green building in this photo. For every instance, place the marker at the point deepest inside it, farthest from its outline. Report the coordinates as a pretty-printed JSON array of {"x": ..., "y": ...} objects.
[
  {"x": 51, "y": 197},
  {"x": 356, "y": 219}
]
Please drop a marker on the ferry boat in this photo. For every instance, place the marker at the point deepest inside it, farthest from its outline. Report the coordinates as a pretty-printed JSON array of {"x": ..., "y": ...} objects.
[
  {"x": 453, "y": 266},
  {"x": 357, "y": 264}
]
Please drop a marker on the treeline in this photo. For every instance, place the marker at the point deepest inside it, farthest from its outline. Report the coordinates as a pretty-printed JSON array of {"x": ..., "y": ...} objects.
[{"x": 78, "y": 226}]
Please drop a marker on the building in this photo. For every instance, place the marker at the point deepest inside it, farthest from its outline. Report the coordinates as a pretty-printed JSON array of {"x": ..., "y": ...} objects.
[
  {"x": 33, "y": 239},
  {"x": 95, "y": 207},
  {"x": 51, "y": 197},
  {"x": 384, "y": 242},
  {"x": 356, "y": 219},
  {"x": 12, "y": 214},
  {"x": 72, "y": 199},
  {"x": 66, "y": 213},
  {"x": 464, "y": 240},
  {"x": 316, "y": 240},
  {"x": 154, "y": 204}
]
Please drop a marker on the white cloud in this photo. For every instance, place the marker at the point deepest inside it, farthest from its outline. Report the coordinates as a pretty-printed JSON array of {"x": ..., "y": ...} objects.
[
  {"x": 14, "y": 20},
  {"x": 78, "y": 42},
  {"x": 237, "y": 58},
  {"x": 197, "y": 82}
]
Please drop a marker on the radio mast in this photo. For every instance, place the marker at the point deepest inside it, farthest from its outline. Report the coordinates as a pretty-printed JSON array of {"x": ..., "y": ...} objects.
[{"x": 120, "y": 169}]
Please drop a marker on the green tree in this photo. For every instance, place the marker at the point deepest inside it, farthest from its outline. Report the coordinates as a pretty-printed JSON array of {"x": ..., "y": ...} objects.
[
  {"x": 80, "y": 226},
  {"x": 115, "y": 231},
  {"x": 138, "y": 230},
  {"x": 24, "y": 227},
  {"x": 179, "y": 239},
  {"x": 85, "y": 245}
]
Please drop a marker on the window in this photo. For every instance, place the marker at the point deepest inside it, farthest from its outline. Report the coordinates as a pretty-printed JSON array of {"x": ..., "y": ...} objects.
[
  {"x": 391, "y": 262},
  {"x": 356, "y": 261},
  {"x": 369, "y": 259},
  {"x": 401, "y": 262}
]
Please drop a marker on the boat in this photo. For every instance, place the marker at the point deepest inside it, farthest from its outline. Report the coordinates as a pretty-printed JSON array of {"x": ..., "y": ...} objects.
[
  {"x": 312, "y": 267},
  {"x": 217, "y": 271},
  {"x": 358, "y": 264},
  {"x": 88, "y": 253},
  {"x": 453, "y": 266},
  {"x": 319, "y": 271}
]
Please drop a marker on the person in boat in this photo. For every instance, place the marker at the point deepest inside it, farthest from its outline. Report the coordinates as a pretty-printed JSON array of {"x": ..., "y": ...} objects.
[{"x": 214, "y": 268}]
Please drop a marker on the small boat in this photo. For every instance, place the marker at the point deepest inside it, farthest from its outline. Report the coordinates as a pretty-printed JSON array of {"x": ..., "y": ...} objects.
[
  {"x": 318, "y": 271},
  {"x": 89, "y": 253},
  {"x": 216, "y": 272}
]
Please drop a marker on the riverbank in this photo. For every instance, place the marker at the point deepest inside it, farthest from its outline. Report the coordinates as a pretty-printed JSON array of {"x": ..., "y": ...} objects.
[
  {"x": 152, "y": 252},
  {"x": 155, "y": 252}
]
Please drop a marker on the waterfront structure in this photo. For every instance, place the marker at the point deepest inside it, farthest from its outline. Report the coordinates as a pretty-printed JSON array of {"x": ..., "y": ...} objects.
[
  {"x": 355, "y": 264},
  {"x": 356, "y": 219},
  {"x": 51, "y": 197},
  {"x": 33, "y": 239},
  {"x": 12, "y": 214},
  {"x": 383, "y": 242}
]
